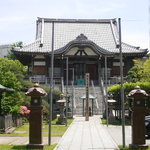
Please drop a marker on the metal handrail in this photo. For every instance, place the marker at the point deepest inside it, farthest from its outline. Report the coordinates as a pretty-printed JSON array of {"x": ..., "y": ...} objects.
[{"x": 92, "y": 83}]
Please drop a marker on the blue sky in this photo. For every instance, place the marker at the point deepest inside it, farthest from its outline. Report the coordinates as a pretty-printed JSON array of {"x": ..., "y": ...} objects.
[{"x": 18, "y": 17}]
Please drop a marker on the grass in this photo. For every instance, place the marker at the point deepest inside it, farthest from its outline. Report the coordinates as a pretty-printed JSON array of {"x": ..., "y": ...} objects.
[
  {"x": 23, "y": 147},
  {"x": 57, "y": 130},
  {"x": 116, "y": 123},
  {"x": 127, "y": 148}
]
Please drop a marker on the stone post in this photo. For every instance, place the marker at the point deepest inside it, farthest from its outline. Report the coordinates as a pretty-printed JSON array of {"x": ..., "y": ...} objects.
[
  {"x": 35, "y": 117},
  {"x": 138, "y": 118}
]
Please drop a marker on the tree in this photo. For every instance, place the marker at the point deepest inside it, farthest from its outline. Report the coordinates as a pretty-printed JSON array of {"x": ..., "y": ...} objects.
[
  {"x": 12, "y": 73},
  {"x": 147, "y": 70},
  {"x": 10, "y": 54},
  {"x": 140, "y": 71}
]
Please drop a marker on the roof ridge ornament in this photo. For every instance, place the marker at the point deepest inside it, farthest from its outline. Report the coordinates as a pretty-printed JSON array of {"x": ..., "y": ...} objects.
[{"x": 81, "y": 37}]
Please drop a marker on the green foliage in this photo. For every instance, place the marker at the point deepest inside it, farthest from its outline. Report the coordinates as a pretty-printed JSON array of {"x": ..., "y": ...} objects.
[
  {"x": 10, "y": 54},
  {"x": 26, "y": 85},
  {"x": 115, "y": 89},
  {"x": 56, "y": 94},
  {"x": 147, "y": 70},
  {"x": 23, "y": 147},
  {"x": 11, "y": 103},
  {"x": 12, "y": 73},
  {"x": 140, "y": 72},
  {"x": 12, "y": 68},
  {"x": 128, "y": 148},
  {"x": 45, "y": 109}
]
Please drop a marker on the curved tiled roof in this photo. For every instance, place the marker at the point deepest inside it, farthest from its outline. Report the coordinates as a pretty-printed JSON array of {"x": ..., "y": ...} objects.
[
  {"x": 101, "y": 34},
  {"x": 82, "y": 40},
  {"x": 34, "y": 47}
]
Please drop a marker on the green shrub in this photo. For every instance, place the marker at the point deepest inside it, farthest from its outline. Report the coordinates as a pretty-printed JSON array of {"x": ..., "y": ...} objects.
[{"x": 115, "y": 90}]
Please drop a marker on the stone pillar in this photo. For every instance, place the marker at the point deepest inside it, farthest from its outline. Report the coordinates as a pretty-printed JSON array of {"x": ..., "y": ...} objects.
[
  {"x": 35, "y": 117},
  {"x": 138, "y": 117}
]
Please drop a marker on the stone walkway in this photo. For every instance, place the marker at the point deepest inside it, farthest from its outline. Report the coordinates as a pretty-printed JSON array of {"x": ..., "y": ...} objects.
[
  {"x": 83, "y": 135},
  {"x": 87, "y": 135}
]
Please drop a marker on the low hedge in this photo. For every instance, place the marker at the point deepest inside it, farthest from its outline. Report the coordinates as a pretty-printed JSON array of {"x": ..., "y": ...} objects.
[{"x": 115, "y": 90}]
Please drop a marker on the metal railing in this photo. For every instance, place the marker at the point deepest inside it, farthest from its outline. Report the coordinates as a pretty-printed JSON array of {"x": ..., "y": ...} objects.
[
  {"x": 113, "y": 80},
  {"x": 94, "y": 92},
  {"x": 57, "y": 80},
  {"x": 44, "y": 80}
]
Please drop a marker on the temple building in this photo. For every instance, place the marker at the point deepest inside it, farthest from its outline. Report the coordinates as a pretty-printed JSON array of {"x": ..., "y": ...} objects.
[{"x": 84, "y": 45}]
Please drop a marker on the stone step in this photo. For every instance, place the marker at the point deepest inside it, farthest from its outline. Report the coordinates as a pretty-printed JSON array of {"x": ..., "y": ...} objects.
[{"x": 80, "y": 91}]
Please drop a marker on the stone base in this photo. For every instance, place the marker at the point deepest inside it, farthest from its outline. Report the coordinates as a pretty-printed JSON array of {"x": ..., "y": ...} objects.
[
  {"x": 35, "y": 146},
  {"x": 138, "y": 147},
  {"x": 61, "y": 121}
]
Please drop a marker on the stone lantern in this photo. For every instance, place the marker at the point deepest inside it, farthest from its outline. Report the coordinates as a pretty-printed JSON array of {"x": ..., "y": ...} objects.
[
  {"x": 111, "y": 105},
  {"x": 35, "y": 117},
  {"x": 62, "y": 118},
  {"x": 138, "y": 117}
]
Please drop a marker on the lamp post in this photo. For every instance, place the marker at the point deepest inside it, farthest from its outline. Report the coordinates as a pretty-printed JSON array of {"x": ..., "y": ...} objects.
[
  {"x": 51, "y": 87},
  {"x": 106, "y": 96},
  {"x": 72, "y": 89},
  {"x": 122, "y": 89},
  {"x": 66, "y": 90}
]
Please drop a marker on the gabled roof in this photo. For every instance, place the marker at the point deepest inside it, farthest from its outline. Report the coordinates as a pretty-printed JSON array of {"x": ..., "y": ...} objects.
[{"x": 102, "y": 34}]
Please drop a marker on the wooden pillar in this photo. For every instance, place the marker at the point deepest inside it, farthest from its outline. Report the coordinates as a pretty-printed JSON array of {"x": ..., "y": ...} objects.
[{"x": 87, "y": 77}]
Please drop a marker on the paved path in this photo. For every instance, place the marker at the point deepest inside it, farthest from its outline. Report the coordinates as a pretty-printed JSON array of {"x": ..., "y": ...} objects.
[
  {"x": 116, "y": 134},
  {"x": 87, "y": 135}
]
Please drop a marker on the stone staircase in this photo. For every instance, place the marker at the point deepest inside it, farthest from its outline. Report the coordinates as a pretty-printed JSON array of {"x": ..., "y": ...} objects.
[{"x": 79, "y": 91}]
